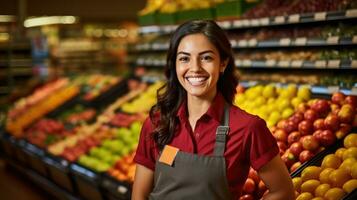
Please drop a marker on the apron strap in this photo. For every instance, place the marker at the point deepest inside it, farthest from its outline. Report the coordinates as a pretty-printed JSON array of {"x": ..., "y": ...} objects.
[{"x": 221, "y": 134}]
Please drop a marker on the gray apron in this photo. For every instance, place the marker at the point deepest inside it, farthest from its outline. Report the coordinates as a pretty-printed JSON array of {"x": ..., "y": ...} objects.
[{"x": 195, "y": 177}]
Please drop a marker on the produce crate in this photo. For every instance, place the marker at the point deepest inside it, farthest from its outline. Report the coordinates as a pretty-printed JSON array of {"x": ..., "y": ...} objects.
[
  {"x": 114, "y": 189},
  {"x": 206, "y": 13},
  {"x": 166, "y": 18},
  {"x": 59, "y": 172},
  {"x": 148, "y": 19},
  {"x": 35, "y": 159},
  {"x": 233, "y": 8},
  {"x": 87, "y": 182}
]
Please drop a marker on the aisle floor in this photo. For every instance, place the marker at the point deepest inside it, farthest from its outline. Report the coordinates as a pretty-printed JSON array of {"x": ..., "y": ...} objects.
[{"x": 13, "y": 186}]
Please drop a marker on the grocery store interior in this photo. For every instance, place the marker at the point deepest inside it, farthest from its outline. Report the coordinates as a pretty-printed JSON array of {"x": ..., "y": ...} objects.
[{"x": 78, "y": 78}]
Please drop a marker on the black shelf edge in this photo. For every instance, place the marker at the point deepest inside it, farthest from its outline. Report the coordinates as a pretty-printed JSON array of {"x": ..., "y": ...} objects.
[{"x": 265, "y": 21}]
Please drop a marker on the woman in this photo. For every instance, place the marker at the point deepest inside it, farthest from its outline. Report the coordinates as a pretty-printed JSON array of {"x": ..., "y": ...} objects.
[{"x": 196, "y": 144}]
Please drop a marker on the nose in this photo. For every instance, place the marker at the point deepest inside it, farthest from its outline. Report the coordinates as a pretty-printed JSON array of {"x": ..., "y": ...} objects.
[{"x": 196, "y": 65}]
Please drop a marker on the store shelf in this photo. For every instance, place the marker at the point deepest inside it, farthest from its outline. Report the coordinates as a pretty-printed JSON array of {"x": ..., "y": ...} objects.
[
  {"x": 266, "y": 21},
  {"x": 299, "y": 64},
  {"x": 254, "y": 43}
]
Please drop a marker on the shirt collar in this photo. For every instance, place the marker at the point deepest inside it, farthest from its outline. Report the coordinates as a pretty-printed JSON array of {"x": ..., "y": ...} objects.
[{"x": 215, "y": 111}]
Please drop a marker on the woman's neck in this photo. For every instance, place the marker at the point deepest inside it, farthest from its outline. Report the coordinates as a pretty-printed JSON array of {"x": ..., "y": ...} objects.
[{"x": 197, "y": 106}]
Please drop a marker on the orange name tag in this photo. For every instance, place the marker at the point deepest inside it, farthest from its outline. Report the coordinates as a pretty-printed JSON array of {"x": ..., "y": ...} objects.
[{"x": 168, "y": 155}]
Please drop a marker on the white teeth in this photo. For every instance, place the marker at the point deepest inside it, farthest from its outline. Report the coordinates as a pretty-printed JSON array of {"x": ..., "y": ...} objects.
[{"x": 196, "y": 80}]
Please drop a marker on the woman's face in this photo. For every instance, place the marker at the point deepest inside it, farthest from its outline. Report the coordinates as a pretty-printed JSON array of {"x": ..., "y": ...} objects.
[{"x": 198, "y": 66}]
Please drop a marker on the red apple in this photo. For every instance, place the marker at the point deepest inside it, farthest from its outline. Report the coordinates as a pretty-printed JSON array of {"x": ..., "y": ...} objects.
[
  {"x": 311, "y": 115},
  {"x": 246, "y": 197},
  {"x": 305, "y": 156},
  {"x": 321, "y": 106},
  {"x": 327, "y": 138},
  {"x": 352, "y": 100},
  {"x": 319, "y": 124},
  {"x": 282, "y": 123},
  {"x": 291, "y": 126},
  {"x": 309, "y": 142},
  {"x": 280, "y": 135},
  {"x": 338, "y": 98},
  {"x": 288, "y": 158},
  {"x": 297, "y": 117},
  {"x": 317, "y": 134},
  {"x": 254, "y": 176},
  {"x": 282, "y": 146},
  {"x": 346, "y": 114},
  {"x": 249, "y": 186},
  {"x": 296, "y": 148},
  {"x": 343, "y": 130},
  {"x": 305, "y": 127},
  {"x": 331, "y": 122},
  {"x": 294, "y": 137},
  {"x": 295, "y": 166}
]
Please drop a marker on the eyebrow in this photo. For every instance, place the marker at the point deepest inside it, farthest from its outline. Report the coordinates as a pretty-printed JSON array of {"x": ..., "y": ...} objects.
[{"x": 203, "y": 52}]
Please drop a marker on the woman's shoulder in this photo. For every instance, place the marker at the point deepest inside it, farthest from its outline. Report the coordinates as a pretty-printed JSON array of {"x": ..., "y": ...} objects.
[{"x": 240, "y": 116}]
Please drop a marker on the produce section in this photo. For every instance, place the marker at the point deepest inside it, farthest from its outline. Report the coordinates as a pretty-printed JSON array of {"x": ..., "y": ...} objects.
[{"x": 296, "y": 62}]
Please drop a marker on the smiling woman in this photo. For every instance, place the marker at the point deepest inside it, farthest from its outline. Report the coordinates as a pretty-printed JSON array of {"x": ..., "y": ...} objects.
[{"x": 196, "y": 144}]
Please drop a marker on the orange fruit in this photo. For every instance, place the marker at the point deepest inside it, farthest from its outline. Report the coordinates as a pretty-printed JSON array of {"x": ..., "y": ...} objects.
[
  {"x": 324, "y": 175},
  {"x": 354, "y": 171},
  {"x": 331, "y": 161},
  {"x": 305, "y": 196},
  {"x": 309, "y": 186},
  {"x": 334, "y": 194},
  {"x": 339, "y": 152},
  {"x": 350, "y": 185},
  {"x": 297, "y": 181},
  {"x": 321, "y": 190},
  {"x": 339, "y": 177},
  {"x": 310, "y": 172},
  {"x": 350, "y": 140},
  {"x": 347, "y": 164},
  {"x": 350, "y": 153}
]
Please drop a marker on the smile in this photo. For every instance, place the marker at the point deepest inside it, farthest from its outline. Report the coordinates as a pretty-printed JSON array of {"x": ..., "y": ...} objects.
[{"x": 196, "y": 80}]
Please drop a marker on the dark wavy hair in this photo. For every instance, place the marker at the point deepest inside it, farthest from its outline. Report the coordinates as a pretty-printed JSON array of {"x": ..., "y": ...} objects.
[{"x": 171, "y": 95}]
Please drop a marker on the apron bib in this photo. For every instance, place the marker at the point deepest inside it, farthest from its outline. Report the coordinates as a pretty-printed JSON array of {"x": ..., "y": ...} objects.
[{"x": 192, "y": 176}]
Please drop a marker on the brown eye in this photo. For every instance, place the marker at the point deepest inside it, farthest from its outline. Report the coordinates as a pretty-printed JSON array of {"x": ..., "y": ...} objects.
[
  {"x": 207, "y": 58},
  {"x": 183, "y": 59}
]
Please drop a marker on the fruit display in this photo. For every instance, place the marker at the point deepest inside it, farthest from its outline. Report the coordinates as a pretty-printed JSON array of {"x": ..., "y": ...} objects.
[
  {"x": 269, "y": 8},
  {"x": 95, "y": 85},
  {"x": 103, "y": 157},
  {"x": 272, "y": 103},
  {"x": 17, "y": 125},
  {"x": 313, "y": 127},
  {"x": 124, "y": 169},
  {"x": 78, "y": 114},
  {"x": 46, "y": 132},
  {"x": 124, "y": 119},
  {"x": 334, "y": 178},
  {"x": 144, "y": 101}
]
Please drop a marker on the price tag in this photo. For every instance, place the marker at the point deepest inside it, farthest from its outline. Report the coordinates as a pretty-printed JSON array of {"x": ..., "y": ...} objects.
[
  {"x": 225, "y": 24},
  {"x": 354, "y": 39},
  {"x": 233, "y": 43},
  {"x": 254, "y": 22},
  {"x": 333, "y": 40},
  {"x": 242, "y": 43},
  {"x": 284, "y": 41},
  {"x": 351, "y": 13},
  {"x": 320, "y": 63},
  {"x": 354, "y": 91},
  {"x": 270, "y": 63},
  {"x": 296, "y": 63},
  {"x": 264, "y": 21},
  {"x": 279, "y": 19},
  {"x": 300, "y": 41},
  {"x": 333, "y": 64},
  {"x": 237, "y": 23},
  {"x": 247, "y": 63},
  {"x": 332, "y": 89},
  {"x": 246, "y": 22},
  {"x": 354, "y": 64},
  {"x": 122, "y": 190},
  {"x": 252, "y": 42},
  {"x": 294, "y": 18},
  {"x": 284, "y": 63},
  {"x": 320, "y": 16}
]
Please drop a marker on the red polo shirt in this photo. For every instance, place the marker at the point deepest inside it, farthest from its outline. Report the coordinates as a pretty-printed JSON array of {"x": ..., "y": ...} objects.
[{"x": 249, "y": 142}]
